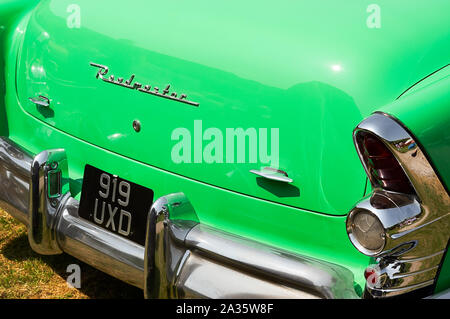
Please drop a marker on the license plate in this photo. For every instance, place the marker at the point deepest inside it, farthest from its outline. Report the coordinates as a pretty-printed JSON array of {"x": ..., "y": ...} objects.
[{"x": 115, "y": 204}]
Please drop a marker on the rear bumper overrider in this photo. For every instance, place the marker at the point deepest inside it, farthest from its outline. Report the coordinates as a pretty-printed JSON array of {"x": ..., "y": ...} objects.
[{"x": 182, "y": 258}]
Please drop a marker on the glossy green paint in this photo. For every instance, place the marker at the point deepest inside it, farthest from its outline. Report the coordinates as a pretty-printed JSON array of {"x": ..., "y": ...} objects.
[
  {"x": 425, "y": 111},
  {"x": 313, "y": 70},
  {"x": 10, "y": 11},
  {"x": 285, "y": 84},
  {"x": 249, "y": 74},
  {"x": 314, "y": 117}
]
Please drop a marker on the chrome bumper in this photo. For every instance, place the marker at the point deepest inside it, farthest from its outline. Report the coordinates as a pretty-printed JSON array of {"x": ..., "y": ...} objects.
[
  {"x": 53, "y": 223},
  {"x": 181, "y": 258}
]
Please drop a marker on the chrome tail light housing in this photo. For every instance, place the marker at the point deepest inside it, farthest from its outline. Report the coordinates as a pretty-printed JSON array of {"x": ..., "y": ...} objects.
[{"x": 404, "y": 223}]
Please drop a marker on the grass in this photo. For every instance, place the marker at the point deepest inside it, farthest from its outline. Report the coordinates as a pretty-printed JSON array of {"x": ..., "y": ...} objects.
[{"x": 25, "y": 274}]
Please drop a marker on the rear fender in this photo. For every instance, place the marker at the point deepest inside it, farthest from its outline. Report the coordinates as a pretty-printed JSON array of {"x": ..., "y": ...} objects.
[{"x": 13, "y": 20}]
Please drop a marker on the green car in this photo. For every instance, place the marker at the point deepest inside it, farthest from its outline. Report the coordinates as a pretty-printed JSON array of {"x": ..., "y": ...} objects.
[{"x": 233, "y": 149}]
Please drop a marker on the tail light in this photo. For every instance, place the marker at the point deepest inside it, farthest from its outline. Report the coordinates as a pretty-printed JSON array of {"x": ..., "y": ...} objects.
[
  {"x": 382, "y": 167},
  {"x": 402, "y": 223}
]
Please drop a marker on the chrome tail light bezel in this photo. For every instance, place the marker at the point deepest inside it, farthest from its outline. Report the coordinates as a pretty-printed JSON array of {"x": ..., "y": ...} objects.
[{"x": 416, "y": 225}]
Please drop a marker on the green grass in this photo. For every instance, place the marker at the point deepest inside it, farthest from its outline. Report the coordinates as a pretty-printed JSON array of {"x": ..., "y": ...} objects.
[{"x": 25, "y": 274}]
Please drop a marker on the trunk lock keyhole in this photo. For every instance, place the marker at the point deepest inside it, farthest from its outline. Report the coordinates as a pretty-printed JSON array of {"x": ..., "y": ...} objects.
[{"x": 136, "y": 125}]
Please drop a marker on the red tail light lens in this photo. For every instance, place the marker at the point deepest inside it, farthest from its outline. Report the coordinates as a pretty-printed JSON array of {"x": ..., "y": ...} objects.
[{"x": 382, "y": 167}]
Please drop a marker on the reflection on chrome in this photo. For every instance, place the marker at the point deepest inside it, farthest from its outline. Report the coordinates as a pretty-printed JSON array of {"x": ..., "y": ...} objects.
[{"x": 415, "y": 226}]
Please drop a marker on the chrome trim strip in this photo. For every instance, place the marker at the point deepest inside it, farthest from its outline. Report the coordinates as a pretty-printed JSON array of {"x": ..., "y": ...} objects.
[
  {"x": 391, "y": 292},
  {"x": 415, "y": 274},
  {"x": 414, "y": 265}
]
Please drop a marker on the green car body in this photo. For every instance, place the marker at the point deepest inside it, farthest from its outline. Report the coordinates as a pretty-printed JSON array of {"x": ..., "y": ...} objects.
[{"x": 314, "y": 70}]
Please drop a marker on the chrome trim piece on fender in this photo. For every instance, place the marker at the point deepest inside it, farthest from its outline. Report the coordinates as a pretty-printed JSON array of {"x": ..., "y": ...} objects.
[{"x": 414, "y": 224}]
